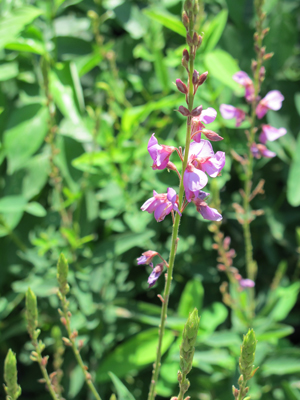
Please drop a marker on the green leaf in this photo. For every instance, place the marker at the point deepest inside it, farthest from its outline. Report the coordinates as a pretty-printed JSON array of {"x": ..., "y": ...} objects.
[
  {"x": 213, "y": 316},
  {"x": 12, "y": 204},
  {"x": 166, "y": 19},
  {"x": 134, "y": 354},
  {"x": 292, "y": 393},
  {"x": 287, "y": 299},
  {"x": 27, "y": 45},
  {"x": 26, "y": 130},
  {"x": 8, "y": 71},
  {"x": 11, "y": 25},
  {"x": 281, "y": 365},
  {"x": 76, "y": 381},
  {"x": 222, "y": 66},
  {"x": 213, "y": 31},
  {"x": 192, "y": 297},
  {"x": 293, "y": 187},
  {"x": 35, "y": 209},
  {"x": 122, "y": 391}
]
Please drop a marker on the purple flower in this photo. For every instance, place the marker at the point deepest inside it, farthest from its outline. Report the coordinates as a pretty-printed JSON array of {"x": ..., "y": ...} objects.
[
  {"x": 272, "y": 101},
  {"x": 202, "y": 156},
  {"x": 269, "y": 133},
  {"x": 207, "y": 212},
  {"x": 207, "y": 116},
  {"x": 229, "y": 112},
  {"x": 201, "y": 159},
  {"x": 162, "y": 204},
  {"x": 146, "y": 257},
  {"x": 243, "y": 79},
  {"x": 260, "y": 150},
  {"x": 193, "y": 180},
  {"x": 246, "y": 283},
  {"x": 155, "y": 274},
  {"x": 159, "y": 153}
]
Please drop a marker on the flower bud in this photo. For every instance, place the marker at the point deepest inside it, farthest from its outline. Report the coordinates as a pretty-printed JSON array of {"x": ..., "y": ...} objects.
[
  {"x": 184, "y": 111},
  {"x": 202, "y": 78},
  {"x": 265, "y": 31},
  {"x": 197, "y": 111},
  {"x": 195, "y": 77},
  {"x": 189, "y": 40},
  {"x": 253, "y": 65},
  {"x": 31, "y": 312},
  {"x": 62, "y": 274},
  {"x": 185, "y": 64},
  {"x": 247, "y": 355},
  {"x": 12, "y": 389},
  {"x": 268, "y": 56},
  {"x": 211, "y": 135},
  {"x": 181, "y": 86},
  {"x": 185, "y": 20}
]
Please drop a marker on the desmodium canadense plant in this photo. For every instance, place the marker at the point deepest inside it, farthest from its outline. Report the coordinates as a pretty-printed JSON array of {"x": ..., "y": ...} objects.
[
  {"x": 198, "y": 162},
  {"x": 258, "y": 108}
]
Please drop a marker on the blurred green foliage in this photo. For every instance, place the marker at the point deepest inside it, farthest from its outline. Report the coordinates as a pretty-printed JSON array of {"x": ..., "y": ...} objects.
[{"x": 110, "y": 68}]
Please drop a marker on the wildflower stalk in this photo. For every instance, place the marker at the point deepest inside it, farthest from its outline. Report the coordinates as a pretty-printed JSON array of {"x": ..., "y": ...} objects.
[
  {"x": 174, "y": 241},
  {"x": 12, "y": 389},
  {"x": 251, "y": 266},
  {"x": 246, "y": 366},
  {"x": 39, "y": 346},
  {"x": 62, "y": 274},
  {"x": 187, "y": 351}
]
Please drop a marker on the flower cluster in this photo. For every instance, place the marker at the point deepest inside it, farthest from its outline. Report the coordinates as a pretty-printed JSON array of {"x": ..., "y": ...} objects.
[
  {"x": 199, "y": 161},
  {"x": 272, "y": 101}
]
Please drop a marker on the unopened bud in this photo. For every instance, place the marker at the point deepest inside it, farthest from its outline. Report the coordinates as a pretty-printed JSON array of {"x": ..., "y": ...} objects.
[
  {"x": 63, "y": 321},
  {"x": 202, "y": 78},
  {"x": 66, "y": 341},
  {"x": 181, "y": 86},
  {"x": 44, "y": 361},
  {"x": 179, "y": 376},
  {"x": 184, "y": 111},
  {"x": 255, "y": 36},
  {"x": 262, "y": 51},
  {"x": 197, "y": 111},
  {"x": 195, "y": 77},
  {"x": 62, "y": 274},
  {"x": 185, "y": 20},
  {"x": 189, "y": 40},
  {"x": 265, "y": 31},
  {"x": 268, "y": 56},
  {"x": 211, "y": 135},
  {"x": 226, "y": 242},
  {"x": 221, "y": 267},
  {"x": 253, "y": 65},
  {"x": 171, "y": 166},
  {"x": 184, "y": 63},
  {"x": 185, "y": 54},
  {"x": 187, "y": 5}
]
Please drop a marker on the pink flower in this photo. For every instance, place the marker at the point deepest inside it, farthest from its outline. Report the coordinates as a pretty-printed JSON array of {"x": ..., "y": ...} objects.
[
  {"x": 229, "y": 112},
  {"x": 159, "y": 153},
  {"x": 207, "y": 116},
  {"x": 243, "y": 79},
  {"x": 207, "y": 212},
  {"x": 260, "y": 150},
  {"x": 269, "y": 133},
  {"x": 193, "y": 181},
  {"x": 201, "y": 159},
  {"x": 155, "y": 274},
  {"x": 246, "y": 283},
  {"x": 272, "y": 101},
  {"x": 147, "y": 257},
  {"x": 162, "y": 204}
]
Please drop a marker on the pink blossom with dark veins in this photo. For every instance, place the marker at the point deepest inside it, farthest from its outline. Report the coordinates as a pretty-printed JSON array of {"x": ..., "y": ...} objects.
[
  {"x": 162, "y": 204},
  {"x": 269, "y": 133},
  {"x": 159, "y": 153},
  {"x": 206, "y": 117},
  {"x": 243, "y": 79},
  {"x": 230, "y": 112},
  {"x": 272, "y": 101}
]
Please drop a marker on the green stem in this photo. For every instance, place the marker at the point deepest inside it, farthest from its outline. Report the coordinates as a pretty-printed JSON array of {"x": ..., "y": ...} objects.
[
  {"x": 76, "y": 351},
  {"x": 181, "y": 391},
  {"x": 175, "y": 230}
]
